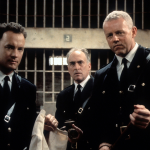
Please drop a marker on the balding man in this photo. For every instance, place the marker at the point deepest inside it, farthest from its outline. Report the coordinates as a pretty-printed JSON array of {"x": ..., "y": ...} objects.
[{"x": 72, "y": 102}]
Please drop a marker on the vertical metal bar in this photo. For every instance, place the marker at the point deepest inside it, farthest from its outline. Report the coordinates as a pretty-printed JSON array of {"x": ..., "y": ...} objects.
[
  {"x": 62, "y": 72},
  {"x": 44, "y": 12},
  {"x": 125, "y": 5},
  {"x": 80, "y": 13},
  {"x": 116, "y": 5},
  {"x": 107, "y": 57},
  {"x": 89, "y": 15},
  {"x": 7, "y": 11},
  {"x": 98, "y": 13},
  {"x": 107, "y": 7},
  {"x": 35, "y": 2},
  {"x": 16, "y": 11},
  {"x": 35, "y": 69},
  {"x": 53, "y": 77},
  {"x": 26, "y": 65},
  {"x": 134, "y": 12},
  {"x": 26, "y": 12},
  {"x": 90, "y": 57},
  {"x": 71, "y": 14},
  {"x": 44, "y": 76},
  {"x": 53, "y": 14},
  {"x": 62, "y": 17},
  {"x": 99, "y": 63},
  {"x": 142, "y": 14}
]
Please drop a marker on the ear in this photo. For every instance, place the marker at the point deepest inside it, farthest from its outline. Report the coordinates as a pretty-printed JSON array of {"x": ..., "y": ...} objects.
[
  {"x": 89, "y": 65},
  {"x": 134, "y": 31}
]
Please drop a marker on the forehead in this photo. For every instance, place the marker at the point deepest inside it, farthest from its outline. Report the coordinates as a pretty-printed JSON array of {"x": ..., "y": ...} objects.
[
  {"x": 12, "y": 38},
  {"x": 114, "y": 25},
  {"x": 77, "y": 56}
]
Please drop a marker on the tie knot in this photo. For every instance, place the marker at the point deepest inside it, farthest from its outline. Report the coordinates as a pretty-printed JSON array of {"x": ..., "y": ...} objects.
[
  {"x": 79, "y": 86},
  {"x": 6, "y": 78},
  {"x": 124, "y": 61}
]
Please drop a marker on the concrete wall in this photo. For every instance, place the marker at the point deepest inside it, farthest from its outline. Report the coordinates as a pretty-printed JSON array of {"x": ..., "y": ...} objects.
[{"x": 88, "y": 38}]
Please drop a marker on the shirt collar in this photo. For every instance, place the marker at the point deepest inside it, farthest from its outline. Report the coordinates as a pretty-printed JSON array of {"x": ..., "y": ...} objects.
[
  {"x": 2, "y": 76},
  {"x": 129, "y": 56},
  {"x": 82, "y": 83}
]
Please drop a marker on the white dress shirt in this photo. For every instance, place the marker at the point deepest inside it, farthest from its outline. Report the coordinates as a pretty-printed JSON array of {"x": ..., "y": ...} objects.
[
  {"x": 129, "y": 58},
  {"x": 83, "y": 83},
  {"x": 2, "y": 76}
]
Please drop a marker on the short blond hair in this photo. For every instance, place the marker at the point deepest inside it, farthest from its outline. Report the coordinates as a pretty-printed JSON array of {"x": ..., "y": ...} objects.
[{"x": 119, "y": 14}]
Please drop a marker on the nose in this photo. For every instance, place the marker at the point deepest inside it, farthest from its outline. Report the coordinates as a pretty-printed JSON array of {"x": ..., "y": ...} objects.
[
  {"x": 14, "y": 53},
  {"x": 115, "y": 38},
  {"x": 77, "y": 66}
]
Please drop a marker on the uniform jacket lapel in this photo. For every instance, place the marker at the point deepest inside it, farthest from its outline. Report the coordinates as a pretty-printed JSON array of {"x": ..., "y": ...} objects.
[
  {"x": 86, "y": 93},
  {"x": 111, "y": 75},
  {"x": 137, "y": 64}
]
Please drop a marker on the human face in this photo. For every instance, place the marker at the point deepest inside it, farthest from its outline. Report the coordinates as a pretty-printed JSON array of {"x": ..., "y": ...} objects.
[
  {"x": 78, "y": 66},
  {"x": 11, "y": 51},
  {"x": 119, "y": 37}
]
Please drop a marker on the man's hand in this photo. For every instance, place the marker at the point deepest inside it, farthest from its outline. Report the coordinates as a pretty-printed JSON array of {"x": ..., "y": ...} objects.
[
  {"x": 140, "y": 117},
  {"x": 104, "y": 146},
  {"x": 80, "y": 132},
  {"x": 50, "y": 123}
]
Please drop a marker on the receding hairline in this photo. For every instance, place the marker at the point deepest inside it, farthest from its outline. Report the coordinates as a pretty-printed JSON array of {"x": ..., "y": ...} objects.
[{"x": 83, "y": 50}]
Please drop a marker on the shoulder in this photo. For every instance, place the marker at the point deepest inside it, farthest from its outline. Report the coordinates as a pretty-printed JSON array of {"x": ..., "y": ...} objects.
[
  {"x": 66, "y": 90},
  {"x": 24, "y": 82},
  {"x": 104, "y": 69}
]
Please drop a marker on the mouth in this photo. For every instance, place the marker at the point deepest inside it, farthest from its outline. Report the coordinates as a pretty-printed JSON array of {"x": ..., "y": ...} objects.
[
  {"x": 118, "y": 46},
  {"x": 77, "y": 73},
  {"x": 13, "y": 62}
]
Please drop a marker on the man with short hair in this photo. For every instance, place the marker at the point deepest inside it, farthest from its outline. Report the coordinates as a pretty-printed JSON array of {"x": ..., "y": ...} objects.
[
  {"x": 17, "y": 95},
  {"x": 121, "y": 89},
  {"x": 72, "y": 102}
]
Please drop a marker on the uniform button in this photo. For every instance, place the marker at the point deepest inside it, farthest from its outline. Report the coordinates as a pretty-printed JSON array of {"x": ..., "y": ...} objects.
[
  {"x": 9, "y": 129},
  {"x": 120, "y": 108},
  {"x": 120, "y": 92},
  {"x": 138, "y": 66},
  {"x": 27, "y": 108},
  {"x": 64, "y": 111},
  {"x": 87, "y": 141},
  {"x": 116, "y": 125},
  {"x": 143, "y": 84},
  {"x": 90, "y": 148},
  {"x": 103, "y": 92},
  {"x": 89, "y": 108},
  {"x": 8, "y": 144}
]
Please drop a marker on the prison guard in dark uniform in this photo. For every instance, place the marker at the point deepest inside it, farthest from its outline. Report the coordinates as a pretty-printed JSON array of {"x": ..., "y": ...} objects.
[
  {"x": 16, "y": 134},
  {"x": 64, "y": 112},
  {"x": 112, "y": 107}
]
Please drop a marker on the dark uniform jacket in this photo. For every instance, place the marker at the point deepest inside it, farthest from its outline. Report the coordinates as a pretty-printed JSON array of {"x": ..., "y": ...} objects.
[
  {"x": 16, "y": 134},
  {"x": 111, "y": 107},
  {"x": 65, "y": 111}
]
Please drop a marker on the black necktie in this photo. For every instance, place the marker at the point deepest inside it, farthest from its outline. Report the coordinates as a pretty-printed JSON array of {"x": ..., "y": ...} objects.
[
  {"x": 77, "y": 98},
  {"x": 6, "y": 89},
  {"x": 124, "y": 75}
]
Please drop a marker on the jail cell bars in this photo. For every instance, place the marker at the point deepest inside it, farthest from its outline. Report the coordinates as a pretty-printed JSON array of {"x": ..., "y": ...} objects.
[
  {"x": 71, "y": 13},
  {"x": 51, "y": 78}
]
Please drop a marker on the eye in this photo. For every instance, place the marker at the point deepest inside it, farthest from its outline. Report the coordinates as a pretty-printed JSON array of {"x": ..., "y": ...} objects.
[
  {"x": 9, "y": 47},
  {"x": 110, "y": 35},
  {"x": 20, "y": 49},
  {"x": 80, "y": 62},
  {"x": 72, "y": 63},
  {"x": 120, "y": 33}
]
